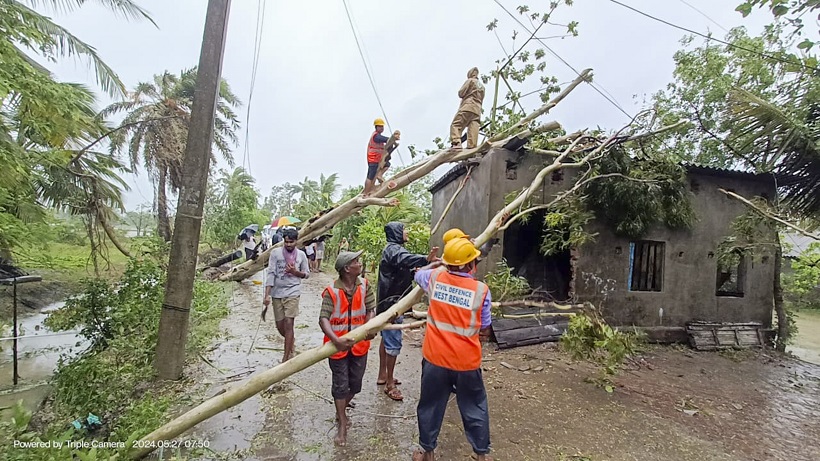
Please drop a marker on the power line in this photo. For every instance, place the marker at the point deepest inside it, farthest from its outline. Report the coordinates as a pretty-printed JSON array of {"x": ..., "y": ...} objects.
[
  {"x": 369, "y": 75},
  {"x": 704, "y": 15},
  {"x": 709, "y": 37},
  {"x": 257, "y": 48},
  {"x": 610, "y": 97}
]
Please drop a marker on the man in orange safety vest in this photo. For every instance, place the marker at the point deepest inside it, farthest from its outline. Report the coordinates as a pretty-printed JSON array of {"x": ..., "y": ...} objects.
[
  {"x": 346, "y": 304},
  {"x": 458, "y": 321}
]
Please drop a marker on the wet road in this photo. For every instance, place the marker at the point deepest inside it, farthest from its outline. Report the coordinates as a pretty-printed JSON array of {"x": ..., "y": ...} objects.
[{"x": 678, "y": 405}]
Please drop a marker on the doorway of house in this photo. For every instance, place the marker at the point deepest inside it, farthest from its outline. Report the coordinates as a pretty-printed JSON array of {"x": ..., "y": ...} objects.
[{"x": 549, "y": 276}]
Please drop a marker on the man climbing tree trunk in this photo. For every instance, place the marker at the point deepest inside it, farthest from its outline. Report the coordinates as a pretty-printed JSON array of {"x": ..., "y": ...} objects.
[{"x": 173, "y": 324}]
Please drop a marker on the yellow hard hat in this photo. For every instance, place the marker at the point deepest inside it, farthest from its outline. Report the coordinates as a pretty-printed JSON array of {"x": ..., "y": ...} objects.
[
  {"x": 459, "y": 251},
  {"x": 378, "y": 122},
  {"x": 454, "y": 233}
]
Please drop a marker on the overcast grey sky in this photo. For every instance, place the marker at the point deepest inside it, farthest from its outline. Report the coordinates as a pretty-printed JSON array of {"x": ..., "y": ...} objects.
[{"x": 313, "y": 106}]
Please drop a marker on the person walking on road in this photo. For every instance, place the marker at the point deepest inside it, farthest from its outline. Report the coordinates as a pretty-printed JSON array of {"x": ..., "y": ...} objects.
[{"x": 287, "y": 267}]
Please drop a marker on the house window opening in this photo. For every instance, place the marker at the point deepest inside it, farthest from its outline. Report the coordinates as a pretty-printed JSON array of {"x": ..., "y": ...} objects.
[
  {"x": 549, "y": 276},
  {"x": 646, "y": 265},
  {"x": 731, "y": 275}
]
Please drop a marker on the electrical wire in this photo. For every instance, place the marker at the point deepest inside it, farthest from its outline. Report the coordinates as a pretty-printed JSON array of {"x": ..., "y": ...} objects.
[
  {"x": 704, "y": 15},
  {"x": 257, "y": 48},
  {"x": 369, "y": 75},
  {"x": 608, "y": 96},
  {"x": 722, "y": 42}
]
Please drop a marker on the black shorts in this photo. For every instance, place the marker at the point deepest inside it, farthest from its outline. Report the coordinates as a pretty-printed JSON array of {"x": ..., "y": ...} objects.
[
  {"x": 311, "y": 257},
  {"x": 348, "y": 373},
  {"x": 372, "y": 169}
]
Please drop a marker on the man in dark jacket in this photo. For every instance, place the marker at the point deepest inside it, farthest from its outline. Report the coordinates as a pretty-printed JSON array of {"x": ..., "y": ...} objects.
[{"x": 395, "y": 279}]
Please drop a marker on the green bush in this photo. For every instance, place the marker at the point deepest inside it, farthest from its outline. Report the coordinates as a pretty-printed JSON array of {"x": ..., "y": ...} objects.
[
  {"x": 589, "y": 337},
  {"x": 506, "y": 286}
]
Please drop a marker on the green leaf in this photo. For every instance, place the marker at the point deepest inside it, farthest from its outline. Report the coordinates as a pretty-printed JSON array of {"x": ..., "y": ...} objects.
[
  {"x": 609, "y": 389},
  {"x": 744, "y": 8},
  {"x": 780, "y": 10},
  {"x": 805, "y": 44}
]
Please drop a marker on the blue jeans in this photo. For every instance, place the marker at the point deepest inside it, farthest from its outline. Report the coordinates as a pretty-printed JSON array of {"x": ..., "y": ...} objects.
[
  {"x": 436, "y": 385},
  {"x": 392, "y": 339}
]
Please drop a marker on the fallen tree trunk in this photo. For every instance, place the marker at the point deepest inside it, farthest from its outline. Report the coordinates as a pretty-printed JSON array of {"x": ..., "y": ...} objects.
[
  {"x": 537, "y": 304},
  {"x": 401, "y": 180},
  {"x": 262, "y": 381}
]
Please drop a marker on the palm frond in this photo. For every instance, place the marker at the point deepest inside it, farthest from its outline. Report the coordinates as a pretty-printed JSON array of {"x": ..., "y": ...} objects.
[
  {"x": 786, "y": 135},
  {"x": 123, "y": 8},
  {"x": 64, "y": 43}
]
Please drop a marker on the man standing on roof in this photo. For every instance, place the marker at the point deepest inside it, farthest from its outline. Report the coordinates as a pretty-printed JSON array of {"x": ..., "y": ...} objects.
[
  {"x": 458, "y": 321},
  {"x": 375, "y": 152},
  {"x": 469, "y": 112},
  {"x": 395, "y": 279}
]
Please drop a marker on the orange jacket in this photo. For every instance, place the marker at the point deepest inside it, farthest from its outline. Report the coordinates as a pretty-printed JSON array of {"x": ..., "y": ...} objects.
[
  {"x": 453, "y": 321},
  {"x": 345, "y": 317},
  {"x": 375, "y": 150}
]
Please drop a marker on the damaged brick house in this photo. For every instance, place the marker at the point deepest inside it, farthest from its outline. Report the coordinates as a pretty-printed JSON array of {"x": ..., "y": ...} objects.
[{"x": 662, "y": 281}]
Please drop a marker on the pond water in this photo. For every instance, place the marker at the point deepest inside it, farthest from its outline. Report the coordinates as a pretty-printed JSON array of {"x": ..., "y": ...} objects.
[
  {"x": 807, "y": 345},
  {"x": 39, "y": 350}
]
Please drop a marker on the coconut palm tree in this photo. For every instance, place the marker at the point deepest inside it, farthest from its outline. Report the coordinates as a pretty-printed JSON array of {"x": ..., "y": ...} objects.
[{"x": 154, "y": 131}]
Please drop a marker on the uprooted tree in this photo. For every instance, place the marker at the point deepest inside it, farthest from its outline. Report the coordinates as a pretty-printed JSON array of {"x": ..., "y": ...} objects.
[{"x": 580, "y": 150}]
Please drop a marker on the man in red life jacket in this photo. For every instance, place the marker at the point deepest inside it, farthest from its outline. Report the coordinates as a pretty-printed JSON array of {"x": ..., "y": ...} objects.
[
  {"x": 458, "y": 321},
  {"x": 346, "y": 304},
  {"x": 375, "y": 152}
]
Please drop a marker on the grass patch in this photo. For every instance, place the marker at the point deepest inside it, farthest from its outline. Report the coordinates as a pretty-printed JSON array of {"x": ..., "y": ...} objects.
[{"x": 57, "y": 255}]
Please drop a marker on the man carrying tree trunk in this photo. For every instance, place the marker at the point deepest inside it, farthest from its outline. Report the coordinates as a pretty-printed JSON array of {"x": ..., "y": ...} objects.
[
  {"x": 458, "y": 321},
  {"x": 287, "y": 267},
  {"x": 469, "y": 111},
  {"x": 346, "y": 304},
  {"x": 395, "y": 279}
]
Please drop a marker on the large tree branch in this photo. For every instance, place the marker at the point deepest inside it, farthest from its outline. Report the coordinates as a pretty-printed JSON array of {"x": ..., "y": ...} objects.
[
  {"x": 108, "y": 133},
  {"x": 585, "y": 75},
  {"x": 452, "y": 200},
  {"x": 401, "y": 180},
  {"x": 769, "y": 215},
  {"x": 578, "y": 186}
]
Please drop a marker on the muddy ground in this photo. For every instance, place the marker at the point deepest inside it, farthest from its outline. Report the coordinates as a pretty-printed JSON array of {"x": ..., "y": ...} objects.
[{"x": 673, "y": 404}]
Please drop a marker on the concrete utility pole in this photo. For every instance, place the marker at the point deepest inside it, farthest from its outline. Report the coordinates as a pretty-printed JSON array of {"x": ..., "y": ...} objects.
[{"x": 179, "y": 286}]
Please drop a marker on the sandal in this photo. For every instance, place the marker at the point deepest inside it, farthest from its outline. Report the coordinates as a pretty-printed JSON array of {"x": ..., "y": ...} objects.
[
  {"x": 394, "y": 393},
  {"x": 418, "y": 455}
]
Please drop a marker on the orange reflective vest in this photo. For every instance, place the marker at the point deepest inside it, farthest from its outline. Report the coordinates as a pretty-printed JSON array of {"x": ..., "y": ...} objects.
[
  {"x": 453, "y": 321},
  {"x": 346, "y": 317},
  {"x": 375, "y": 150}
]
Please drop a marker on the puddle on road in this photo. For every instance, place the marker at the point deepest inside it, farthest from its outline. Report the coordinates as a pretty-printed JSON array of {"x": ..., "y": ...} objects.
[{"x": 39, "y": 350}]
